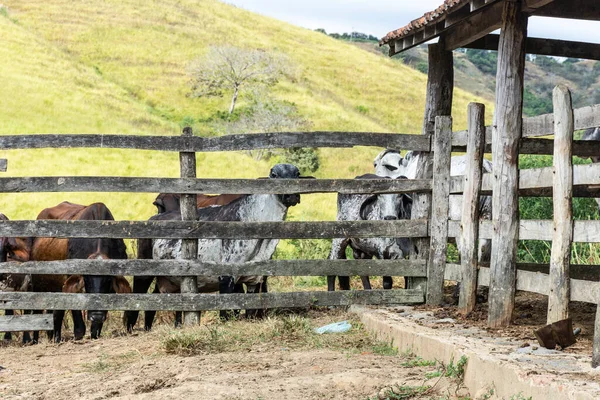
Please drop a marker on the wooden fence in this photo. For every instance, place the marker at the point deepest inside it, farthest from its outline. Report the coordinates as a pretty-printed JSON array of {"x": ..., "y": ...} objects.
[
  {"x": 559, "y": 280},
  {"x": 190, "y": 230}
]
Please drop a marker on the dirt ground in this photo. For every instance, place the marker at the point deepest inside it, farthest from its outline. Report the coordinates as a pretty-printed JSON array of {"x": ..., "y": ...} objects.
[
  {"x": 285, "y": 363},
  {"x": 529, "y": 315}
]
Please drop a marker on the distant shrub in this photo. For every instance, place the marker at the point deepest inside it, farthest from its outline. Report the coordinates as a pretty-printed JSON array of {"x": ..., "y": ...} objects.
[
  {"x": 362, "y": 109},
  {"x": 422, "y": 66}
]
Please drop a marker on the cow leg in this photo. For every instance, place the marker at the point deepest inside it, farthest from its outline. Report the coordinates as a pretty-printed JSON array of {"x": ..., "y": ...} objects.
[
  {"x": 387, "y": 282},
  {"x": 78, "y": 324},
  {"x": 258, "y": 312},
  {"x": 226, "y": 286},
  {"x": 8, "y": 335},
  {"x": 150, "y": 314},
  {"x": 58, "y": 316},
  {"x": 344, "y": 282},
  {"x": 366, "y": 282},
  {"x": 141, "y": 284},
  {"x": 331, "y": 283}
]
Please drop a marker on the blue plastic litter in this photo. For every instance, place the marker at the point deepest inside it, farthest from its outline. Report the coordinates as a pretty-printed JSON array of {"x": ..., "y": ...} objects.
[{"x": 336, "y": 327}]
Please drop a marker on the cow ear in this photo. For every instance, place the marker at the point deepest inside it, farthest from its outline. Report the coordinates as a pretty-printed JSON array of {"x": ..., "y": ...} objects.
[
  {"x": 74, "y": 284},
  {"x": 121, "y": 285},
  {"x": 366, "y": 207}
]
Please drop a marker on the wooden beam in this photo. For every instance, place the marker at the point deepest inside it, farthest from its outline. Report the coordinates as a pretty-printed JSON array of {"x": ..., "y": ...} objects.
[
  {"x": 570, "y": 9},
  {"x": 189, "y": 247},
  {"x": 470, "y": 209},
  {"x": 203, "y": 301},
  {"x": 200, "y": 268},
  {"x": 439, "y": 210},
  {"x": 476, "y": 26},
  {"x": 213, "y": 229},
  {"x": 507, "y": 134},
  {"x": 221, "y": 143},
  {"x": 546, "y": 47},
  {"x": 440, "y": 89},
  {"x": 191, "y": 185},
  {"x": 30, "y": 322},
  {"x": 558, "y": 296}
]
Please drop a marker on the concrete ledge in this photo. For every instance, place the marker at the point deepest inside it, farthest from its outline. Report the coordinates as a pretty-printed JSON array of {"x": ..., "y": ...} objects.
[{"x": 497, "y": 363}]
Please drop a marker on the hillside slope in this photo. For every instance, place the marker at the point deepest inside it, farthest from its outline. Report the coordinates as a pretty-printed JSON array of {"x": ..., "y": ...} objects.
[{"x": 120, "y": 67}]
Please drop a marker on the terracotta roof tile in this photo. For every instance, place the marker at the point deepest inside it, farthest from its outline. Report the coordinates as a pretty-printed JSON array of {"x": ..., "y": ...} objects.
[{"x": 430, "y": 17}]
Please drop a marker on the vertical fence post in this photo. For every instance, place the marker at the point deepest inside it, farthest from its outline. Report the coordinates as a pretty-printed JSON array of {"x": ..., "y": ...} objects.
[
  {"x": 562, "y": 196},
  {"x": 508, "y": 129},
  {"x": 442, "y": 150},
  {"x": 189, "y": 247},
  {"x": 470, "y": 207},
  {"x": 440, "y": 88},
  {"x": 596, "y": 349}
]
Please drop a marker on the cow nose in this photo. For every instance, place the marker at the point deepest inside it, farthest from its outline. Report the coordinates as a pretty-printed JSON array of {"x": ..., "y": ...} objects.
[
  {"x": 97, "y": 316},
  {"x": 390, "y": 218}
]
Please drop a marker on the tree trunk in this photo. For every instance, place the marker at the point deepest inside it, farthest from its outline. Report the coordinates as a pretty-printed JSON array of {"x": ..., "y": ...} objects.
[{"x": 234, "y": 99}]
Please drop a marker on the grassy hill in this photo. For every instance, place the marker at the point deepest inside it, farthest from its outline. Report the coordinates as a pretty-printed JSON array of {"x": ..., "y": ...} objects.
[{"x": 120, "y": 67}]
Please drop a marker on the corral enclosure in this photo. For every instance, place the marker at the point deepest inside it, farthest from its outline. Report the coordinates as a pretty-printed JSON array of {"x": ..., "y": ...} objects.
[{"x": 430, "y": 224}]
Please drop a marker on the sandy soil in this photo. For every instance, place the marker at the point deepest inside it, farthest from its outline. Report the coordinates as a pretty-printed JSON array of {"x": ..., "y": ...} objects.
[{"x": 137, "y": 367}]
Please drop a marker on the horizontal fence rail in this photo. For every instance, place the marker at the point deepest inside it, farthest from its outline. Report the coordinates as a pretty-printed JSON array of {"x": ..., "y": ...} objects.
[
  {"x": 529, "y": 229},
  {"x": 535, "y": 282},
  {"x": 538, "y": 181},
  {"x": 222, "y": 186},
  {"x": 221, "y": 143},
  {"x": 200, "y": 302},
  {"x": 413, "y": 268},
  {"x": 213, "y": 230},
  {"x": 541, "y": 125},
  {"x": 31, "y": 322}
]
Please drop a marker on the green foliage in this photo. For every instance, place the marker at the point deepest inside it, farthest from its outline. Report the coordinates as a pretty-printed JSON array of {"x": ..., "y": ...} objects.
[
  {"x": 403, "y": 392},
  {"x": 385, "y": 349},
  {"x": 520, "y": 396},
  {"x": 536, "y": 105},
  {"x": 542, "y": 208},
  {"x": 485, "y": 60},
  {"x": 362, "y": 109},
  {"x": 456, "y": 371},
  {"x": 422, "y": 67},
  {"x": 303, "y": 249},
  {"x": 418, "y": 362},
  {"x": 305, "y": 158}
]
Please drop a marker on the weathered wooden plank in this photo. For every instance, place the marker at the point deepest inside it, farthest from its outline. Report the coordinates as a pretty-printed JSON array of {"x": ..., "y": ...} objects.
[
  {"x": 547, "y": 47},
  {"x": 224, "y": 186},
  {"x": 470, "y": 208},
  {"x": 581, "y": 272},
  {"x": 573, "y": 9},
  {"x": 476, "y": 26},
  {"x": 536, "y": 282},
  {"x": 531, "y": 229},
  {"x": 439, "y": 209},
  {"x": 415, "y": 268},
  {"x": 222, "y": 143},
  {"x": 213, "y": 230},
  {"x": 30, "y": 322},
  {"x": 440, "y": 89},
  {"x": 202, "y": 301},
  {"x": 537, "y": 181},
  {"x": 560, "y": 258},
  {"x": 505, "y": 147},
  {"x": 541, "y": 125},
  {"x": 189, "y": 247}
]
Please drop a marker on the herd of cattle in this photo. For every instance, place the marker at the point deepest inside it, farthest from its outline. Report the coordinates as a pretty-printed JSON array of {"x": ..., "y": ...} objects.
[{"x": 389, "y": 164}]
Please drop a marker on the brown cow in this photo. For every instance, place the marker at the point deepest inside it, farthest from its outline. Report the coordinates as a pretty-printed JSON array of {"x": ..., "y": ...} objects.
[{"x": 52, "y": 249}]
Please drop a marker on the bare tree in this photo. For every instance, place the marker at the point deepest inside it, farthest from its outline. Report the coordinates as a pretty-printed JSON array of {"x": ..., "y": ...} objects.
[{"x": 231, "y": 69}]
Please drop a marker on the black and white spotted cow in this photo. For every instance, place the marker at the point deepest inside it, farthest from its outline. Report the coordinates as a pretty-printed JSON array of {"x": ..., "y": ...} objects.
[
  {"x": 365, "y": 207},
  {"x": 391, "y": 163},
  {"x": 246, "y": 208}
]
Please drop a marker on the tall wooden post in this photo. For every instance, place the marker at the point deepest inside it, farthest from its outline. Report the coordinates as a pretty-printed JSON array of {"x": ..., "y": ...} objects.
[
  {"x": 470, "y": 208},
  {"x": 505, "y": 148},
  {"x": 442, "y": 150},
  {"x": 189, "y": 247},
  {"x": 440, "y": 87},
  {"x": 562, "y": 194}
]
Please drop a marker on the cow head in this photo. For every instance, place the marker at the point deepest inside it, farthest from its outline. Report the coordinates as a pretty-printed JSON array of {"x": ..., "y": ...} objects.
[
  {"x": 166, "y": 202},
  {"x": 286, "y": 171},
  {"x": 592, "y": 134},
  {"x": 389, "y": 163}
]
